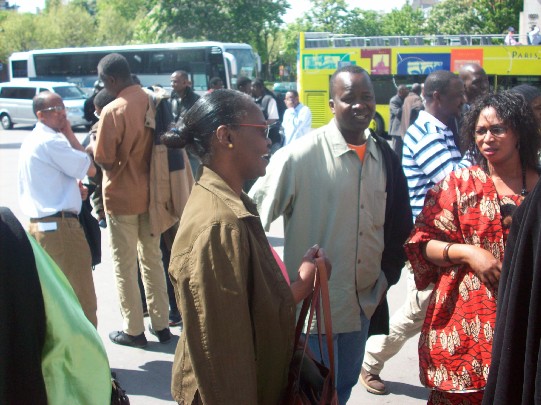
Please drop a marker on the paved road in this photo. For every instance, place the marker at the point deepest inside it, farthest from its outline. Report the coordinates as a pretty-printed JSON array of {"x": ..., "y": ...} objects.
[{"x": 145, "y": 374}]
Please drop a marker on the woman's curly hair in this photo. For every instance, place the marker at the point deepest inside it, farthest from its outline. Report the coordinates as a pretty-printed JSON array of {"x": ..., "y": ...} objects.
[{"x": 516, "y": 114}]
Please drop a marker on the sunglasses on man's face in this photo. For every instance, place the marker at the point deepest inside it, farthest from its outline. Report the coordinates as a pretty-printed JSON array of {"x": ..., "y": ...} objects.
[{"x": 56, "y": 108}]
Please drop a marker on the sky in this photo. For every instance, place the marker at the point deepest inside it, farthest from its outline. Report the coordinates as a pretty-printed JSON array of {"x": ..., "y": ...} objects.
[{"x": 298, "y": 7}]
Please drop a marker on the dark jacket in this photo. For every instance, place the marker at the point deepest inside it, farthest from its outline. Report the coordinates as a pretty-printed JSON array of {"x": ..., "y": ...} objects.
[
  {"x": 180, "y": 106},
  {"x": 22, "y": 313},
  {"x": 398, "y": 225},
  {"x": 515, "y": 372}
]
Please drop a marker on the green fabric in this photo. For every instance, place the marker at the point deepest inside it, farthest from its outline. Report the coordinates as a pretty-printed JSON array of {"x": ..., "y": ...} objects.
[{"x": 74, "y": 362}]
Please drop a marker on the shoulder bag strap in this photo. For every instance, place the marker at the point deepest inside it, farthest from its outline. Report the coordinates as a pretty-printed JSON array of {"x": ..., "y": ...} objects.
[{"x": 325, "y": 302}]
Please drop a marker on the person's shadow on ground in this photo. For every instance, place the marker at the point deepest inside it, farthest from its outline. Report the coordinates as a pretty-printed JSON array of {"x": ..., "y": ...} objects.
[
  {"x": 153, "y": 379},
  {"x": 407, "y": 390}
]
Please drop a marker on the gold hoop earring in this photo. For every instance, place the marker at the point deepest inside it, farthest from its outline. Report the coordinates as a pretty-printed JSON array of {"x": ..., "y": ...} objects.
[{"x": 230, "y": 146}]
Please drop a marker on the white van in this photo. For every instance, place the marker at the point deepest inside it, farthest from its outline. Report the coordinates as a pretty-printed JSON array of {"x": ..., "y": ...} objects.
[{"x": 16, "y": 102}]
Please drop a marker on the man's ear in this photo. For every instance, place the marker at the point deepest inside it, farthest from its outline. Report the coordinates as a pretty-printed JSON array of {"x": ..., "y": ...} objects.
[{"x": 331, "y": 104}]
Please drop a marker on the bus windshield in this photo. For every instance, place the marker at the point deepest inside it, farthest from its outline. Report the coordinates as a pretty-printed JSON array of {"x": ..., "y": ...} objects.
[{"x": 246, "y": 62}]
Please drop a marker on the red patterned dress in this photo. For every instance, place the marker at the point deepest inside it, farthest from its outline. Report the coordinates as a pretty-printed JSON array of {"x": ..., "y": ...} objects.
[{"x": 456, "y": 338}]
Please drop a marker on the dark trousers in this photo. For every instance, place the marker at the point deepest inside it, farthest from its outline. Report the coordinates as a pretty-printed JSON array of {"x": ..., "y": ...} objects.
[{"x": 166, "y": 257}]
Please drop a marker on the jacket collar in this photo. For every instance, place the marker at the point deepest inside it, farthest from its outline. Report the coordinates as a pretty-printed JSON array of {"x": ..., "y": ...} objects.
[
  {"x": 243, "y": 207},
  {"x": 339, "y": 145}
]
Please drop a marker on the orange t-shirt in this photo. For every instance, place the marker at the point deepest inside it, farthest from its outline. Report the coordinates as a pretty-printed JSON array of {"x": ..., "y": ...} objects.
[{"x": 359, "y": 149}]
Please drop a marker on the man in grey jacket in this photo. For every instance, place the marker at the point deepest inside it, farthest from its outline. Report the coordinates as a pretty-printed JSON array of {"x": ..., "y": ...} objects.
[{"x": 395, "y": 109}]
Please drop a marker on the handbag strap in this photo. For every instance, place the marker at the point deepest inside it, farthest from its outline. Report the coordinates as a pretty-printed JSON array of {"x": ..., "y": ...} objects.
[
  {"x": 326, "y": 304},
  {"x": 312, "y": 303}
]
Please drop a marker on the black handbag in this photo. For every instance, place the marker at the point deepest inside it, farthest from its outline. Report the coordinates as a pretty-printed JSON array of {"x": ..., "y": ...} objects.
[
  {"x": 118, "y": 395},
  {"x": 311, "y": 382}
]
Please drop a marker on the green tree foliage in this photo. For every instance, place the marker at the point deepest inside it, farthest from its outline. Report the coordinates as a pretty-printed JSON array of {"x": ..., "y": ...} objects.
[
  {"x": 454, "y": 17},
  {"x": 474, "y": 16},
  {"x": 117, "y": 21},
  {"x": 254, "y": 21},
  {"x": 18, "y": 32},
  {"x": 329, "y": 16},
  {"x": 65, "y": 26},
  {"x": 404, "y": 21},
  {"x": 90, "y": 6},
  {"x": 364, "y": 23},
  {"x": 494, "y": 16}
]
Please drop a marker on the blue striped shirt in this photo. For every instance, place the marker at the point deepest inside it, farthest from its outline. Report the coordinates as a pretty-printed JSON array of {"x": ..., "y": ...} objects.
[{"x": 428, "y": 155}]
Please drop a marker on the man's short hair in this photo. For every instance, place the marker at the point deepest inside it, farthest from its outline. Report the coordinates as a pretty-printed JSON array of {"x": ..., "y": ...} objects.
[
  {"x": 416, "y": 88},
  {"x": 258, "y": 83},
  {"x": 181, "y": 73},
  {"x": 438, "y": 81},
  {"x": 294, "y": 92},
  {"x": 354, "y": 69},
  {"x": 40, "y": 101},
  {"x": 214, "y": 81},
  {"x": 243, "y": 81},
  {"x": 115, "y": 65},
  {"x": 402, "y": 87},
  {"x": 103, "y": 98}
]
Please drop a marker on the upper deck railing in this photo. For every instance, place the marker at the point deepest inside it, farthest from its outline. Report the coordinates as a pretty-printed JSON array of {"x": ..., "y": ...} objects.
[{"x": 328, "y": 40}]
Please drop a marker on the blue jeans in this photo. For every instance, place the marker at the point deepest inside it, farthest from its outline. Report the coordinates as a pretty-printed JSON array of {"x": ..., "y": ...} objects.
[{"x": 348, "y": 357}]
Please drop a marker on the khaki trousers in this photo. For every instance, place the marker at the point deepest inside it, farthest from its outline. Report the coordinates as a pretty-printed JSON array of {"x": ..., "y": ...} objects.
[
  {"x": 68, "y": 247},
  {"x": 404, "y": 324},
  {"x": 130, "y": 238}
]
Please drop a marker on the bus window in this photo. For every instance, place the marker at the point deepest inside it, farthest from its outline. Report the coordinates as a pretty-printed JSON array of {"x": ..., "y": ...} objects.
[
  {"x": 19, "y": 69},
  {"x": 199, "y": 77},
  {"x": 384, "y": 88}
]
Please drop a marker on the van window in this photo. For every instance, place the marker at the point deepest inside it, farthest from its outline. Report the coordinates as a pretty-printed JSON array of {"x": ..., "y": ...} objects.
[
  {"x": 26, "y": 93},
  {"x": 69, "y": 92}
]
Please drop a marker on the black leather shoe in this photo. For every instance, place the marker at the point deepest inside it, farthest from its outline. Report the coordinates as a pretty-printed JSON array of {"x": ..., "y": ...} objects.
[
  {"x": 121, "y": 338},
  {"x": 163, "y": 335}
]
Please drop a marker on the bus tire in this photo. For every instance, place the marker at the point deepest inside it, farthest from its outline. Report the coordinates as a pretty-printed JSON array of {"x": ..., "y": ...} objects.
[
  {"x": 380, "y": 126},
  {"x": 6, "y": 121}
]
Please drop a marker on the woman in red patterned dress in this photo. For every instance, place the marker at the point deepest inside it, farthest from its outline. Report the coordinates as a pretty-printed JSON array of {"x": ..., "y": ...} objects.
[{"x": 458, "y": 244}]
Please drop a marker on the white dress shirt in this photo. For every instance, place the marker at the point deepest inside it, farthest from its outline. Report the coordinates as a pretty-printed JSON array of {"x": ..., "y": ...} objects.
[
  {"x": 297, "y": 122},
  {"x": 48, "y": 171}
]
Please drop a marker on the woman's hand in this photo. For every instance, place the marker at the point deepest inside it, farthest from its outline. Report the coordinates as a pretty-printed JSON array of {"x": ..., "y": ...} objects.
[
  {"x": 307, "y": 269},
  {"x": 304, "y": 284},
  {"x": 481, "y": 261},
  {"x": 323, "y": 255},
  {"x": 485, "y": 265}
]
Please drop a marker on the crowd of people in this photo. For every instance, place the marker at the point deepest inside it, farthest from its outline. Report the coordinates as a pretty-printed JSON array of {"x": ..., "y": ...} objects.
[{"x": 187, "y": 185}]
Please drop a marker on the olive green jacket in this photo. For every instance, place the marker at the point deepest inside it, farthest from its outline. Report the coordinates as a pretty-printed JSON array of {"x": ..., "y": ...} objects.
[{"x": 238, "y": 311}]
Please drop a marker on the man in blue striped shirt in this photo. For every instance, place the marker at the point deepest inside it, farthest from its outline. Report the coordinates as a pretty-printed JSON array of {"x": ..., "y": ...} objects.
[{"x": 430, "y": 152}]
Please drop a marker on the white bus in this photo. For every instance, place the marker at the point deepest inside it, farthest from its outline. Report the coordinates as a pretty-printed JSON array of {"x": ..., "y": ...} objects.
[{"x": 153, "y": 64}]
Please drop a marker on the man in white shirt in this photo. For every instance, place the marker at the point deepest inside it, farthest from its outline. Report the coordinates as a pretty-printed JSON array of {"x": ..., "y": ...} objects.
[
  {"x": 509, "y": 39},
  {"x": 534, "y": 36},
  {"x": 51, "y": 162},
  {"x": 297, "y": 118}
]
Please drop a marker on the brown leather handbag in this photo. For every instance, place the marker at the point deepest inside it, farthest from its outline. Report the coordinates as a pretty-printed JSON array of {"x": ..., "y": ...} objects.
[{"x": 311, "y": 382}]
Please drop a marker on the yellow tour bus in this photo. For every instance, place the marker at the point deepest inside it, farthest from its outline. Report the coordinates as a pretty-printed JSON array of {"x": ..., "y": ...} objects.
[{"x": 392, "y": 61}]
